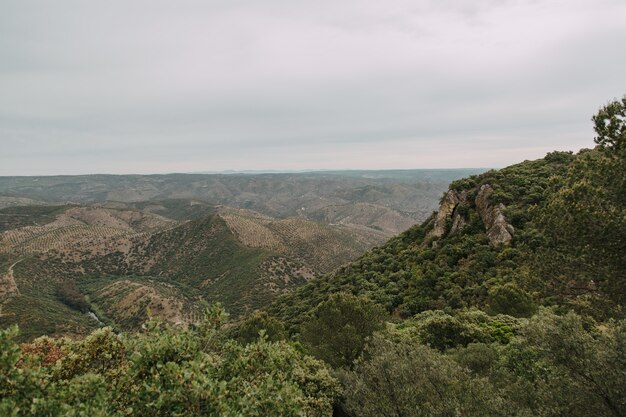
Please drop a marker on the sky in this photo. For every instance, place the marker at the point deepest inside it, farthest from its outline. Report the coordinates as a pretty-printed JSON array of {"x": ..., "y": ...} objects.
[{"x": 156, "y": 86}]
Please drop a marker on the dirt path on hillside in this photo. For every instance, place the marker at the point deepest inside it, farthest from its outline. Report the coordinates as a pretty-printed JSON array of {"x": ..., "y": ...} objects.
[{"x": 8, "y": 286}]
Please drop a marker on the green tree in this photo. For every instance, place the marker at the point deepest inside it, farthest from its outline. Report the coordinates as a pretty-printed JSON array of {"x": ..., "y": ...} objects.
[
  {"x": 248, "y": 330},
  {"x": 402, "y": 378},
  {"x": 610, "y": 125},
  {"x": 590, "y": 358},
  {"x": 561, "y": 366},
  {"x": 163, "y": 371},
  {"x": 585, "y": 220},
  {"x": 338, "y": 328},
  {"x": 511, "y": 300}
]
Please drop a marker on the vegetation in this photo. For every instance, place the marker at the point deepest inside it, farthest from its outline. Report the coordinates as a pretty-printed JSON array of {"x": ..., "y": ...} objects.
[
  {"x": 337, "y": 330},
  {"x": 163, "y": 371},
  {"x": 127, "y": 262},
  {"x": 566, "y": 252},
  {"x": 453, "y": 323},
  {"x": 553, "y": 366},
  {"x": 69, "y": 294},
  {"x": 22, "y": 216},
  {"x": 256, "y": 323}
]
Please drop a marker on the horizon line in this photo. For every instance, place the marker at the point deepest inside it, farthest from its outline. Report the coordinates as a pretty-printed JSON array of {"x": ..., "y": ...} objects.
[{"x": 253, "y": 172}]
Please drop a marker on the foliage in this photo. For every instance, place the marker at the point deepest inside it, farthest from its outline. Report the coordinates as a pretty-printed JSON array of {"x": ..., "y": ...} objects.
[
  {"x": 554, "y": 366},
  {"x": 510, "y": 299},
  {"x": 443, "y": 331},
  {"x": 590, "y": 359},
  {"x": 69, "y": 294},
  {"x": 163, "y": 371},
  {"x": 338, "y": 328},
  {"x": 585, "y": 220},
  {"x": 610, "y": 125},
  {"x": 249, "y": 329},
  {"x": 567, "y": 249},
  {"x": 404, "y": 378}
]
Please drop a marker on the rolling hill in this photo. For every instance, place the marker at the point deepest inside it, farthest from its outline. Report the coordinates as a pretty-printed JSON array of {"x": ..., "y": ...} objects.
[
  {"x": 387, "y": 201},
  {"x": 122, "y": 260}
]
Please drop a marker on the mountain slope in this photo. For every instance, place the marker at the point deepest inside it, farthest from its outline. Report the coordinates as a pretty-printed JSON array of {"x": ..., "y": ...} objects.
[
  {"x": 493, "y": 244},
  {"x": 121, "y": 262},
  {"x": 387, "y": 201}
]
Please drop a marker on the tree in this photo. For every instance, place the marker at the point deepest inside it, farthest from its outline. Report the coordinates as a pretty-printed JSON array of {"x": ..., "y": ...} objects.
[
  {"x": 403, "y": 378},
  {"x": 338, "y": 328},
  {"x": 510, "y": 299},
  {"x": 585, "y": 215},
  {"x": 610, "y": 125},
  {"x": 590, "y": 360},
  {"x": 164, "y": 371},
  {"x": 585, "y": 219},
  {"x": 248, "y": 330}
]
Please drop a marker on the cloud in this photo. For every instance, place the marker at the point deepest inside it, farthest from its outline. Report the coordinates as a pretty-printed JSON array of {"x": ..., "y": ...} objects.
[{"x": 154, "y": 86}]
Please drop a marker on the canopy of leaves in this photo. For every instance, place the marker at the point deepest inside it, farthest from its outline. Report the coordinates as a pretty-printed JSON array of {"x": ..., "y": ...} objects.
[
  {"x": 338, "y": 328},
  {"x": 164, "y": 371},
  {"x": 610, "y": 125}
]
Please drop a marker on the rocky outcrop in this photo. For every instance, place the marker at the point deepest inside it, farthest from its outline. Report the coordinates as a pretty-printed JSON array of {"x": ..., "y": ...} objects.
[
  {"x": 448, "y": 214},
  {"x": 499, "y": 231},
  {"x": 458, "y": 222},
  {"x": 458, "y": 219},
  {"x": 451, "y": 218},
  {"x": 449, "y": 203}
]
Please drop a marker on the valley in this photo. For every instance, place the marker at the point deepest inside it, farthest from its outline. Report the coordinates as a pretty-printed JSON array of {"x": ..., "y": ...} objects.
[{"x": 128, "y": 260}]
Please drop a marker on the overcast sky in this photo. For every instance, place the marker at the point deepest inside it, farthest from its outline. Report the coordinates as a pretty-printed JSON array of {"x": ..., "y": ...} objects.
[{"x": 153, "y": 86}]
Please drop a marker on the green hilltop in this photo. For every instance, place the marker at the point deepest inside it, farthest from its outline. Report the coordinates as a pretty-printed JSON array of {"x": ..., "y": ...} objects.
[{"x": 548, "y": 233}]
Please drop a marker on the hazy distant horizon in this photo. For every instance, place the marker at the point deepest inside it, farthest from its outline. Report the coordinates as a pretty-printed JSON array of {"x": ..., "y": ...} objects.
[
  {"x": 262, "y": 172},
  {"x": 147, "y": 86}
]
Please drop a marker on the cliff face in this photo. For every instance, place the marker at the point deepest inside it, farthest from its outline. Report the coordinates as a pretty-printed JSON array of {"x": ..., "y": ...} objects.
[
  {"x": 499, "y": 231},
  {"x": 450, "y": 220},
  {"x": 446, "y": 209}
]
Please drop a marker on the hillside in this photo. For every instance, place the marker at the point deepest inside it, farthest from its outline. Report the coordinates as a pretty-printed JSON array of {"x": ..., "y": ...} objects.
[
  {"x": 384, "y": 201},
  {"x": 119, "y": 260},
  {"x": 508, "y": 301},
  {"x": 549, "y": 232}
]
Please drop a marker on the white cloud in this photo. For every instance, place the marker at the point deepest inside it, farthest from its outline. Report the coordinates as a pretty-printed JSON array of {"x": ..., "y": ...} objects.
[{"x": 129, "y": 85}]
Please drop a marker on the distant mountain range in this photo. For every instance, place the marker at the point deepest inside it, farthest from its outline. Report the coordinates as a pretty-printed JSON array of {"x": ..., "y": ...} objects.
[{"x": 385, "y": 201}]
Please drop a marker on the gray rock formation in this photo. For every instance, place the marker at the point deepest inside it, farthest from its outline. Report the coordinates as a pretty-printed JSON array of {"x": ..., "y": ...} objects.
[
  {"x": 499, "y": 231},
  {"x": 450, "y": 221},
  {"x": 457, "y": 223},
  {"x": 448, "y": 213},
  {"x": 458, "y": 220},
  {"x": 449, "y": 203}
]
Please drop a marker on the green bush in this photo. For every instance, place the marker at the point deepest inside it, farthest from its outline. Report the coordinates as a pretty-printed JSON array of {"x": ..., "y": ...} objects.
[
  {"x": 338, "y": 328},
  {"x": 510, "y": 299},
  {"x": 163, "y": 371}
]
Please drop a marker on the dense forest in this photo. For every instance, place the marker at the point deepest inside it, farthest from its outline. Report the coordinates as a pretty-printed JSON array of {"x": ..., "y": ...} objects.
[{"x": 508, "y": 301}]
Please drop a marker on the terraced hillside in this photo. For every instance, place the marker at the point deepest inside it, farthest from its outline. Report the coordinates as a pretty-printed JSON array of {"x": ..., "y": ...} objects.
[
  {"x": 117, "y": 261},
  {"x": 321, "y": 247},
  {"x": 384, "y": 201}
]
